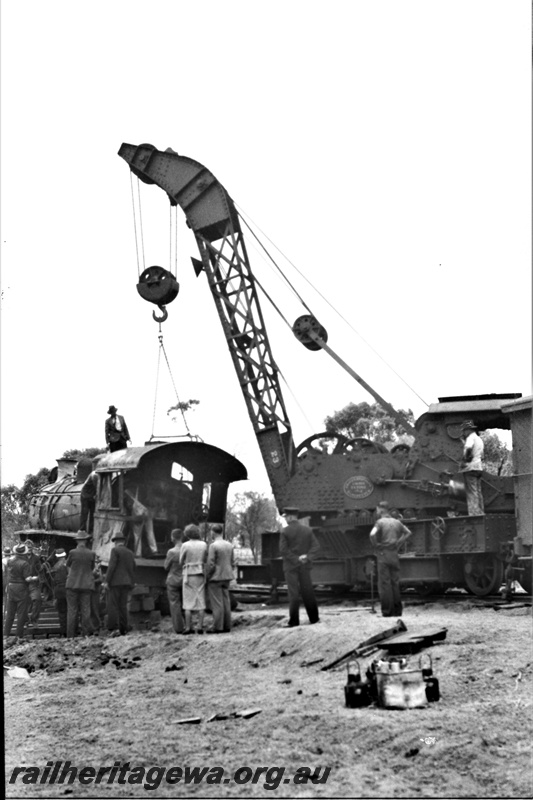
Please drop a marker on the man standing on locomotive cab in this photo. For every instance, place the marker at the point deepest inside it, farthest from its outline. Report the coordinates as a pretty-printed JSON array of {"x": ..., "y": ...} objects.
[
  {"x": 472, "y": 467},
  {"x": 298, "y": 546},
  {"x": 116, "y": 431},
  {"x": 120, "y": 580},
  {"x": 79, "y": 585},
  {"x": 220, "y": 566},
  {"x": 18, "y": 594},
  {"x": 386, "y": 536}
]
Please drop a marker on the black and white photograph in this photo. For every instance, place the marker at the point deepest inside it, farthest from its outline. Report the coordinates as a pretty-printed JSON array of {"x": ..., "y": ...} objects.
[{"x": 266, "y": 398}]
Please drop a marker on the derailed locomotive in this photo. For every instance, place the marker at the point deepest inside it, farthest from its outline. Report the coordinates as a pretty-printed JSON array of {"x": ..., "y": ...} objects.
[{"x": 142, "y": 492}]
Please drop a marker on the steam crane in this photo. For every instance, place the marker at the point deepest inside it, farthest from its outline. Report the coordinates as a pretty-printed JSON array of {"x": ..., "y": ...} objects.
[
  {"x": 337, "y": 490},
  {"x": 212, "y": 216}
]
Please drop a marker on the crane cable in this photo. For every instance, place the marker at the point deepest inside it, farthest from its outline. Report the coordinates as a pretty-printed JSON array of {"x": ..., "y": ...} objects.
[
  {"x": 173, "y": 243},
  {"x": 320, "y": 295},
  {"x": 162, "y": 350},
  {"x": 139, "y": 239}
]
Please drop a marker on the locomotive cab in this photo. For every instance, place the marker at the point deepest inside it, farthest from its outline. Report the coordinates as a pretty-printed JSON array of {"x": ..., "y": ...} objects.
[{"x": 145, "y": 492}]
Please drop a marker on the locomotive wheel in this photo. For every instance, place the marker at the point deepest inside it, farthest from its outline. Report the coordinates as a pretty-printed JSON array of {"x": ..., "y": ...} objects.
[{"x": 483, "y": 574}]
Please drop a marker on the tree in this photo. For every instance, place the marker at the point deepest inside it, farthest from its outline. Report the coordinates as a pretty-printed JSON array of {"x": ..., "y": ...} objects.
[
  {"x": 497, "y": 458},
  {"x": 32, "y": 484},
  {"x": 89, "y": 452},
  {"x": 370, "y": 421},
  {"x": 13, "y": 518},
  {"x": 250, "y": 514}
]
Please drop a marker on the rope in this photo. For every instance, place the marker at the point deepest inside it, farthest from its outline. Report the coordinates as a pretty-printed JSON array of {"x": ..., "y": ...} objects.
[
  {"x": 157, "y": 379},
  {"x": 323, "y": 298},
  {"x": 162, "y": 350}
]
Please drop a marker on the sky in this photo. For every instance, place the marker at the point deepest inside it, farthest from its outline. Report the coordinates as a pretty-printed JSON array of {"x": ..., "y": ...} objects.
[{"x": 382, "y": 146}]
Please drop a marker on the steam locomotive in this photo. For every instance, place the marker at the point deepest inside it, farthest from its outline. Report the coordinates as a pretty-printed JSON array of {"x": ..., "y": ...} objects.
[{"x": 143, "y": 493}]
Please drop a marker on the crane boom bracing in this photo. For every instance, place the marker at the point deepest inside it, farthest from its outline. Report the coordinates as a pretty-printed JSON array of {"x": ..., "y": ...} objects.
[{"x": 212, "y": 216}]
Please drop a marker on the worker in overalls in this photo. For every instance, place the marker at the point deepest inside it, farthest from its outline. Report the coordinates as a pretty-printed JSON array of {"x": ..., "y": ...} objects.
[{"x": 387, "y": 535}]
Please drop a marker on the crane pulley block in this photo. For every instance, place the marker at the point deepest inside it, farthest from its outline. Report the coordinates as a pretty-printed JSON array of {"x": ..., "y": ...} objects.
[
  {"x": 302, "y": 328},
  {"x": 158, "y": 285}
]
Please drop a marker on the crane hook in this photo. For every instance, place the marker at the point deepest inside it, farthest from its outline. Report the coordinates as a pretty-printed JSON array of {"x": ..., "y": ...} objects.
[{"x": 164, "y": 315}]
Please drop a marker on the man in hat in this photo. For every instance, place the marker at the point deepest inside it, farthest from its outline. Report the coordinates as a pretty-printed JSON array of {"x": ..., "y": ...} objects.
[
  {"x": 88, "y": 494},
  {"x": 219, "y": 573},
  {"x": 472, "y": 467},
  {"x": 36, "y": 599},
  {"x": 59, "y": 577},
  {"x": 96, "y": 618},
  {"x": 6, "y": 555},
  {"x": 18, "y": 594},
  {"x": 120, "y": 580},
  {"x": 386, "y": 536},
  {"x": 80, "y": 583},
  {"x": 116, "y": 431},
  {"x": 298, "y": 546}
]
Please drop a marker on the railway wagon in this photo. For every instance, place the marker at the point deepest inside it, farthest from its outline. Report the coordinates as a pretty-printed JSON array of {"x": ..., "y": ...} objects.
[{"x": 339, "y": 492}]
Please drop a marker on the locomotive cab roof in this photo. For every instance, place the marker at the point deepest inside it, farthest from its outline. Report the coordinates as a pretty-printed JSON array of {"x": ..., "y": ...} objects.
[
  {"x": 218, "y": 465},
  {"x": 486, "y": 409}
]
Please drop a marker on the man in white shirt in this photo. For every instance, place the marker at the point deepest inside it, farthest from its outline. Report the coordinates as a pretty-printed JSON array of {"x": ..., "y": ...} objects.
[{"x": 472, "y": 468}]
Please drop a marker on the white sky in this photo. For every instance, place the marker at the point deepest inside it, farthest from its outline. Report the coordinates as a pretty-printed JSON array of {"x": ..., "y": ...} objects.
[{"x": 383, "y": 145}]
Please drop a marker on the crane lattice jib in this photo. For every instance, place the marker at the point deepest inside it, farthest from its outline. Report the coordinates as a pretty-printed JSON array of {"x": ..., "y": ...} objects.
[{"x": 212, "y": 216}]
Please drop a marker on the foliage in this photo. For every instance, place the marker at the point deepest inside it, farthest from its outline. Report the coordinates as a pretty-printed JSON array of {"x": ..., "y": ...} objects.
[
  {"x": 89, "y": 452},
  {"x": 497, "y": 458},
  {"x": 182, "y": 407},
  {"x": 370, "y": 421},
  {"x": 13, "y": 519},
  {"x": 31, "y": 485},
  {"x": 248, "y": 516}
]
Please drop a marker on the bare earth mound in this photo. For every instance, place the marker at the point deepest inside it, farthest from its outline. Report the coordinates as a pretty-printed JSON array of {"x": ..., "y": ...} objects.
[{"x": 100, "y": 701}]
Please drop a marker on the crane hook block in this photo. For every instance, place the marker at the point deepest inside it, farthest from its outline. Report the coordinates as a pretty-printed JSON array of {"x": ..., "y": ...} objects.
[
  {"x": 158, "y": 285},
  {"x": 302, "y": 328},
  {"x": 163, "y": 316}
]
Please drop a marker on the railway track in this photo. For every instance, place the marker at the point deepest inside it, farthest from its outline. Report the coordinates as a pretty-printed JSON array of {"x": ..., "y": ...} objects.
[
  {"x": 260, "y": 594},
  {"x": 48, "y": 624}
]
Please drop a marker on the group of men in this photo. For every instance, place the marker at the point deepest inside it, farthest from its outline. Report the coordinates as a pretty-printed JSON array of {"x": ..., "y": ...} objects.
[
  {"x": 198, "y": 572},
  {"x": 77, "y": 580},
  {"x": 21, "y": 568}
]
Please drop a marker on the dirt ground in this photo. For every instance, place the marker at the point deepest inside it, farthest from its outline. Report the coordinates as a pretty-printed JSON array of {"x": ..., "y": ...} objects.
[{"x": 102, "y": 700}]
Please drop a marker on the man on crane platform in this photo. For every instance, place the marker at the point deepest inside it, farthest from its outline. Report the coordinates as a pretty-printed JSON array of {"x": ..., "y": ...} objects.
[
  {"x": 298, "y": 546},
  {"x": 472, "y": 467}
]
